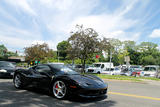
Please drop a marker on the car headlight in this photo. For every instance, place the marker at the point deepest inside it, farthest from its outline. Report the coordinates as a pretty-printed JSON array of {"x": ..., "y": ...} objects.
[{"x": 3, "y": 70}]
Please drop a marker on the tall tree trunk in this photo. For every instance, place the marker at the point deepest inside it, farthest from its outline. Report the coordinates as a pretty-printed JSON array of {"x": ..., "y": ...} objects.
[{"x": 83, "y": 64}]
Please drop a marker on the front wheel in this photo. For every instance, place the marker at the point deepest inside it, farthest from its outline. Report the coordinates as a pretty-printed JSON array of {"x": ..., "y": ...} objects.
[
  {"x": 98, "y": 72},
  {"x": 18, "y": 81},
  {"x": 59, "y": 89}
]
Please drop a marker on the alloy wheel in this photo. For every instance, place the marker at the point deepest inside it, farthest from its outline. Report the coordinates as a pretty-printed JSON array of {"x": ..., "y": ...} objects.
[
  {"x": 59, "y": 89},
  {"x": 17, "y": 81}
]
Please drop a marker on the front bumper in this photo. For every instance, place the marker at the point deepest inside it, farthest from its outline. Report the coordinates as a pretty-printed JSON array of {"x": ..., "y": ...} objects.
[{"x": 91, "y": 93}]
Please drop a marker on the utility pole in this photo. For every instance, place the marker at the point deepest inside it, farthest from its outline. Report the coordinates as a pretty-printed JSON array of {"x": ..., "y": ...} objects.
[{"x": 110, "y": 60}]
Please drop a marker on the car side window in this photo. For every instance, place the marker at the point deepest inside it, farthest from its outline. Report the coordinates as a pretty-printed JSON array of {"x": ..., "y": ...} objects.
[
  {"x": 107, "y": 69},
  {"x": 102, "y": 66},
  {"x": 152, "y": 69},
  {"x": 42, "y": 68}
]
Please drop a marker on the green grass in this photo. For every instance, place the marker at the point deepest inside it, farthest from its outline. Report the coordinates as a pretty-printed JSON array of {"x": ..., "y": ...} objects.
[
  {"x": 150, "y": 78},
  {"x": 127, "y": 78}
]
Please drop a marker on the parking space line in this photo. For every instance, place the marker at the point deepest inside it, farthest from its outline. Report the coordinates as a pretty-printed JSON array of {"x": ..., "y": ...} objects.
[{"x": 133, "y": 95}]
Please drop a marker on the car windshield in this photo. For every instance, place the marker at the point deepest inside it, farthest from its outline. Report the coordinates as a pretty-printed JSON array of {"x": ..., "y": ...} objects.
[
  {"x": 63, "y": 69},
  {"x": 6, "y": 64},
  {"x": 97, "y": 65},
  {"x": 149, "y": 69}
]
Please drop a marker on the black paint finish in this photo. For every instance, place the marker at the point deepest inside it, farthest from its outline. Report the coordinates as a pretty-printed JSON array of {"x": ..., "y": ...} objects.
[{"x": 43, "y": 76}]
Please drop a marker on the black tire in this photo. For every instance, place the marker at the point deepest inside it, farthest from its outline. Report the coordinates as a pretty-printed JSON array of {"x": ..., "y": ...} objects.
[
  {"x": 98, "y": 72},
  {"x": 60, "y": 91},
  {"x": 17, "y": 80}
]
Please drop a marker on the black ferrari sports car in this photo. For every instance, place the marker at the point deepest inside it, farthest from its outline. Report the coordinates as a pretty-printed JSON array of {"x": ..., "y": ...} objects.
[{"x": 60, "y": 80}]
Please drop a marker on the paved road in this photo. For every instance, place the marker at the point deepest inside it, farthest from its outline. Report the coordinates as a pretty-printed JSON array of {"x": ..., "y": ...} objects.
[{"x": 121, "y": 94}]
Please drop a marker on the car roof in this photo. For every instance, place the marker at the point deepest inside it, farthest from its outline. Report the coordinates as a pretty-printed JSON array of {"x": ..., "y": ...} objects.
[
  {"x": 103, "y": 63},
  {"x": 56, "y": 63},
  {"x": 152, "y": 66}
]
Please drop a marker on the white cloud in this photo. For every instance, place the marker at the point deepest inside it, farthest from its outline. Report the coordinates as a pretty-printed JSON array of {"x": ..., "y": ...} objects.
[
  {"x": 50, "y": 43},
  {"x": 126, "y": 7},
  {"x": 14, "y": 42},
  {"x": 155, "y": 33},
  {"x": 59, "y": 17},
  {"x": 110, "y": 26},
  {"x": 121, "y": 35},
  {"x": 8, "y": 16},
  {"x": 22, "y": 4},
  {"x": 16, "y": 32},
  {"x": 22, "y": 43}
]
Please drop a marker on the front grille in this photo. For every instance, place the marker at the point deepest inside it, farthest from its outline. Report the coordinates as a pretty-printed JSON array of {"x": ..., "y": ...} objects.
[
  {"x": 90, "y": 70},
  {"x": 94, "y": 92}
]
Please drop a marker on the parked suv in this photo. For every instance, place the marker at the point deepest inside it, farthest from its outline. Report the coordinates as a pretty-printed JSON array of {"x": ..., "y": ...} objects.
[{"x": 150, "y": 71}]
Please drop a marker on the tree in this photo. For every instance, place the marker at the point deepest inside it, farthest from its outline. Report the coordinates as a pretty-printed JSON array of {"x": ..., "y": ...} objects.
[
  {"x": 38, "y": 52},
  {"x": 116, "y": 44},
  {"x": 129, "y": 45},
  {"x": 121, "y": 57},
  {"x": 62, "y": 49},
  {"x": 148, "y": 60},
  {"x": 84, "y": 43},
  {"x": 147, "y": 47},
  {"x": 4, "y": 53}
]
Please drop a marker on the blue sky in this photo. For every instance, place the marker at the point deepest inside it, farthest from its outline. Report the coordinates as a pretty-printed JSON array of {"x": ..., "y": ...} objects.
[{"x": 27, "y": 22}]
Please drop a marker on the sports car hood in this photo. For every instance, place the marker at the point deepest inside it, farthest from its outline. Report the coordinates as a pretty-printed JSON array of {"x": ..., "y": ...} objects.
[{"x": 88, "y": 81}]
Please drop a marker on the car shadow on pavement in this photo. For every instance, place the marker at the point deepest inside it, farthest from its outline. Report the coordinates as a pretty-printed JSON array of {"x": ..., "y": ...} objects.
[{"x": 12, "y": 97}]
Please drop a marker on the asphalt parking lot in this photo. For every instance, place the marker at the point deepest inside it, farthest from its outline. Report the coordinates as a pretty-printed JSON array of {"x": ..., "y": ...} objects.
[{"x": 120, "y": 94}]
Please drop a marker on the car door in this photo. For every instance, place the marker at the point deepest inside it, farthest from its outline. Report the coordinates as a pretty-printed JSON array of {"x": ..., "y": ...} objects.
[{"x": 41, "y": 75}]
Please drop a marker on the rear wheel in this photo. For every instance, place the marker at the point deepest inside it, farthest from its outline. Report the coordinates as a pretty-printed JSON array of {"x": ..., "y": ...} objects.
[
  {"x": 59, "y": 89},
  {"x": 98, "y": 72},
  {"x": 18, "y": 81}
]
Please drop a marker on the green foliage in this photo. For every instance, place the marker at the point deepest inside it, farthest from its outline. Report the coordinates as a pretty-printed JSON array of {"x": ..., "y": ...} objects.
[
  {"x": 115, "y": 60},
  {"x": 62, "y": 49},
  {"x": 147, "y": 47},
  {"x": 148, "y": 60},
  {"x": 84, "y": 43},
  {"x": 129, "y": 45},
  {"x": 38, "y": 53},
  {"x": 4, "y": 53}
]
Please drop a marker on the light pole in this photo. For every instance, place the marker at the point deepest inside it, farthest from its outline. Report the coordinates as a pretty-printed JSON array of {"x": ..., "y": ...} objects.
[{"x": 110, "y": 60}]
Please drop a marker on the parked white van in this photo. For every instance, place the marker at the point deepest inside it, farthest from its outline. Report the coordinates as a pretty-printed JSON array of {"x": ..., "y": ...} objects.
[
  {"x": 150, "y": 71},
  {"x": 100, "y": 67}
]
